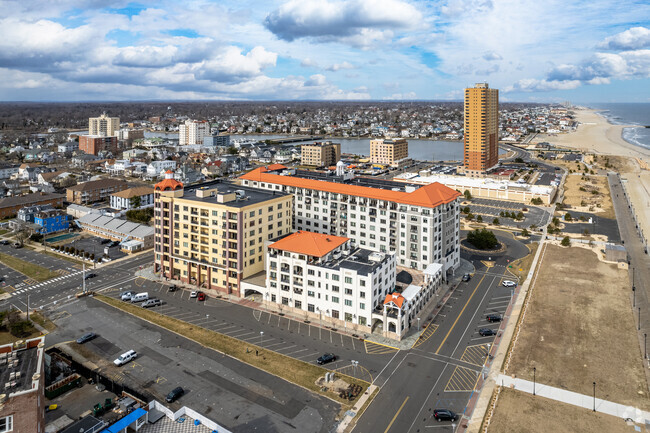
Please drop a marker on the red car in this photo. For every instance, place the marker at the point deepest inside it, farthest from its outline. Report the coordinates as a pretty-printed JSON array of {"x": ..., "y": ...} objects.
[{"x": 201, "y": 296}]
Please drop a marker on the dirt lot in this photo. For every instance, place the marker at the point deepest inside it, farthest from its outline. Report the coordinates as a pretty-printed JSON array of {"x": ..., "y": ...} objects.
[
  {"x": 523, "y": 413},
  {"x": 595, "y": 194},
  {"x": 580, "y": 328}
]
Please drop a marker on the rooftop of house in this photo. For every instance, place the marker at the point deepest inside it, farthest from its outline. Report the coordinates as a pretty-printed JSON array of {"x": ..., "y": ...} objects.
[
  {"x": 97, "y": 184},
  {"x": 28, "y": 199},
  {"x": 134, "y": 192}
]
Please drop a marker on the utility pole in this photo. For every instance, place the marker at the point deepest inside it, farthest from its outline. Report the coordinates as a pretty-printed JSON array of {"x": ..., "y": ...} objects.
[
  {"x": 28, "y": 307},
  {"x": 83, "y": 283}
]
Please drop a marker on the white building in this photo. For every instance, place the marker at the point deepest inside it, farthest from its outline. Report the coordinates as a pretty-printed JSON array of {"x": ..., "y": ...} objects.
[
  {"x": 421, "y": 225},
  {"x": 158, "y": 168},
  {"x": 103, "y": 125},
  {"x": 192, "y": 132},
  {"x": 123, "y": 200},
  {"x": 327, "y": 278},
  {"x": 8, "y": 170},
  {"x": 68, "y": 147}
]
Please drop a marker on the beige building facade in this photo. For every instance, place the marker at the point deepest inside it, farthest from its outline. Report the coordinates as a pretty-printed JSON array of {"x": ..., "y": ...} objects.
[
  {"x": 213, "y": 235},
  {"x": 103, "y": 125},
  {"x": 320, "y": 154},
  {"x": 481, "y": 129},
  {"x": 388, "y": 151}
]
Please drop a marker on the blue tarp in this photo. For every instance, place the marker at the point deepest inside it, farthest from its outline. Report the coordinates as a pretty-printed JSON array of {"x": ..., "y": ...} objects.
[{"x": 126, "y": 421}]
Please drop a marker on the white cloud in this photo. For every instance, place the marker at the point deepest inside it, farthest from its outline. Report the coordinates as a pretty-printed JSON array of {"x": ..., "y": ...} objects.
[
  {"x": 316, "y": 80},
  {"x": 338, "y": 66},
  {"x": 631, "y": 39},
  {"x": 491, "y": 56},
  {"x": 308, "y": 63},
  {"x": 231, "y": 66},
  {"x": 401, "y": 96},
  {"x": 534, "y": 85},
  {"x": 624, "y": 65},
  {"x": 355, "y": 22}
]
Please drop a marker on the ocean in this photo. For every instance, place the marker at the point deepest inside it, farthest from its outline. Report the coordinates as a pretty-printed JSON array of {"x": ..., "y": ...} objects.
[{"x": 629, "y": 114}]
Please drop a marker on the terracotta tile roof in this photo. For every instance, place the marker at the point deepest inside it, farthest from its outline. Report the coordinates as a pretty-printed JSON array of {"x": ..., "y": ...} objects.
[
  {"x": 309, "y": 243},
  {"x": 168, "y": 185},
  {"x": 395, "y": 298},
  {"x": 275, "y": 167},
  {"x": 430, "y": 195}
]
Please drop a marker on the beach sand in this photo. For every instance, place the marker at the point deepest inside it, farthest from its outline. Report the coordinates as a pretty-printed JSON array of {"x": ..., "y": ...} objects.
[{"x": 595, "y": 134}]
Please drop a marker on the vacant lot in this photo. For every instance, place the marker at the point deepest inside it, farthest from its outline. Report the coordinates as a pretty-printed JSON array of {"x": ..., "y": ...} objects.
[
  {"x": 579, "y": 328},
  {"x": 523, "y": 413},
  {"x": 591, "y": 192}
]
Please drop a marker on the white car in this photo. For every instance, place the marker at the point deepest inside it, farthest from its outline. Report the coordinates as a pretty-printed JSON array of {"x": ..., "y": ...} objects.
[
  {"x": 125, "y": 357},
  {"x": 508, "y": 283},
  {"x": 194, "y": 294}
]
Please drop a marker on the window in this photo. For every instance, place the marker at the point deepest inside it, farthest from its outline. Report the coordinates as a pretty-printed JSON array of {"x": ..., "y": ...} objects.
[
  {"x": 310, "y": 308},
  {"x": 335, "y": 299},
  {"x": 348, "y": 280},
  {"x": 7, "y": 424},
  {"x": 348, "y": 291},
  {"x": 348, "y": 302}
]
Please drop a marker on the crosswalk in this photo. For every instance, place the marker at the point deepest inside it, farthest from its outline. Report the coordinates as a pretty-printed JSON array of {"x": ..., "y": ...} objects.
[{"x": 31, "y": 284}]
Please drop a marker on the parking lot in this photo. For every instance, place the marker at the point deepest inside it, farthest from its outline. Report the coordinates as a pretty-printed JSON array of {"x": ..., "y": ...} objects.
[
  {"x": 240, "y": 397},
  {"x": 492, "y": 208},
  {"x": 294, "y": 338},
  {"x": 94, "y": 245}
]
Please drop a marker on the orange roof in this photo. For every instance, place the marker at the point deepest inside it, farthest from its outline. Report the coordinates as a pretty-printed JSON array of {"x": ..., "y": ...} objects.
[
  {"x": 168, "y": 185},
  {"x": 430, "y": 195},
  {"x": 310, "y": 243},
  {"x": 395, "y": 298},
  {"x": 273, "y": 167}
]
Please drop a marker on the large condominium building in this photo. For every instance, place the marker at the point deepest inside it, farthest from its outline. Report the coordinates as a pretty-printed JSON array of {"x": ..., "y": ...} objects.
[
  {"x": 212, "y": 235},
  {"x": 192, "y": 132},
  {"x": 320, "y": 154},
  {"x": 324, "y": 275},
  {"x": 388, "y": 151},
  {"x": 481, "y": 129},
  {"x": 420, "y": 224},
  {"x": 94, "y": 190},
  {"x": 103, "y": 125}
]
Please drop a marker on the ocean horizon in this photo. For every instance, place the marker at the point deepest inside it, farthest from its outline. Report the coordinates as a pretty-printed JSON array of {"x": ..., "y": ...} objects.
[{"x": 628, "y": 114}]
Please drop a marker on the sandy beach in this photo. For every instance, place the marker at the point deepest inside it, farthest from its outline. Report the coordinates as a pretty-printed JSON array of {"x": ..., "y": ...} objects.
[{"x": 595, "y": 134}]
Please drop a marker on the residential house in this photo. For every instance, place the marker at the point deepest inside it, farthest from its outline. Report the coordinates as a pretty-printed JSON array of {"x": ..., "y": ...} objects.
[
  {"x": 95, "y": 190},
  {"x": 124, "y": 199}
]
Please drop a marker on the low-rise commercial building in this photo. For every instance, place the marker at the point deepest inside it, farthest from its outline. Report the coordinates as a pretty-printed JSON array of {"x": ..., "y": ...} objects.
[
  {"x": 139, "y": 236},
  {"x": 132, "y": 198},
  {"x": 325, "y": 277},
  {"x": 212, "y": 234},
  {"x": 94, "y": 190},
  {"x": 10, "y": 206},
  {"x": 22, "y": 401},
  {"x": 320, "y": 154}
]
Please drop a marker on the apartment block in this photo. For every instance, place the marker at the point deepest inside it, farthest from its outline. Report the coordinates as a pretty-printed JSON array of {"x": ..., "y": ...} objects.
[
  {"x": 213, "y": 235},
  {"x": 192, "y": 132},
  {"x": 103, "y": 125},
  {"x": 324, "y": 275},
  {"x": 481, "y": 129},
  {"x": 320, "y": 154},
  {"x": 22, "y": 402},
  {"x": 9, "y": 206},
  {"x": 420, "y": 224},
  {"x": 388, "y": 151},
  {"x": 93, "y": 144},
  {"x": 94, "y": 190},
  {"x": 125, "y": 199}
]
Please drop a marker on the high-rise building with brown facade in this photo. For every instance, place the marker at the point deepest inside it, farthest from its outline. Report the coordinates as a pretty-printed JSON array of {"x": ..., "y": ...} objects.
[
  {"x": 320, "y": 154},
  {"x": 481, "y": 129},
  {"x": 388, "y": 151}
]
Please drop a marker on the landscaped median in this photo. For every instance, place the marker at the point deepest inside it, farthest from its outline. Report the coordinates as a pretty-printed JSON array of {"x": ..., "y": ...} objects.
[
  {"x": 39, "y": 273},
  {"x": 292, "y": 370}
]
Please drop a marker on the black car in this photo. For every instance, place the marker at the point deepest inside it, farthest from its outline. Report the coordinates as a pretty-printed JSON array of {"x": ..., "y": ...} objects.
[
  {"x": 172, "y": 288},
  {"x": 104, "y": 241},
  {"x": 174, "y": 394},
  {"x": 89, "y": 276},
  {"x": 486, "y": 332},
  {"x": 4, "y": 242},
  {"x": 86, "y": 337},
  {"x": 326, "y": 358},
  {"x": 444, "y": 415},
  {"x": 467, "y": 277},
  {"x": 113, "y": 244},
  {"x": 493, "y": 317}
]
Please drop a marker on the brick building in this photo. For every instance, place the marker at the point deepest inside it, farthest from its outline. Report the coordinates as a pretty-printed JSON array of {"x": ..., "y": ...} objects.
[
  {"x": 94, "y": 190},
  {"x": 93, "y": 144},
  {"x": 22, "y": 403},
  {"x": 11, "y": 205}
]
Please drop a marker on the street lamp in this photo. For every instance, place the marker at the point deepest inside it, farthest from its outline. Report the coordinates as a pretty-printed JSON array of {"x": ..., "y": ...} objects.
[
  {"x": 633, "y": 290},
  {"x": 261, "y": 336},
  {"x": 639, "y": 328},
  {"x": 534, "y": 371},
  {"x": 207, "y": 319},
  {"x": 418, "y": 324},
  {"x": 645, "y": 346},
  {"x": 594, "y": 396},
  {"x": 354, "y": 366}
]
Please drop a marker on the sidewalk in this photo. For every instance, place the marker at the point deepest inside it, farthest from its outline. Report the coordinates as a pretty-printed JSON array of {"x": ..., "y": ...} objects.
[{"x": 573, "y": 398}]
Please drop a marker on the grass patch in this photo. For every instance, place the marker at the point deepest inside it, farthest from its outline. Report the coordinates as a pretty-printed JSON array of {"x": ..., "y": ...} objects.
[
  {"x": 524, "y": 263},
  {"x": 42, "y": 321},
  {"x": 31, "y": 270},
  {"x": 535, "y": 414},
  {"x": 64, "y": 257},
  {"x": 3, "y": 231},
  {"x": 289, "y": 369}
]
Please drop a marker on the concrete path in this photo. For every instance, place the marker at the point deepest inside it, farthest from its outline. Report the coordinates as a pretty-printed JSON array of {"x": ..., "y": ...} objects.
[{"x": 585, "y": 401}]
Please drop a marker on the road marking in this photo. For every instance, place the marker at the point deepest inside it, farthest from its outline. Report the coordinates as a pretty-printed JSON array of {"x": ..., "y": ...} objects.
[
  {"x": 378, "y": 348},
  {"x": 395, "y": 417},
  {"x": 461, "y": 380},
  {"x": 460, "y": 314},
  {"x": 474, "y": 354},
  {"x": 426, "y": 334}
]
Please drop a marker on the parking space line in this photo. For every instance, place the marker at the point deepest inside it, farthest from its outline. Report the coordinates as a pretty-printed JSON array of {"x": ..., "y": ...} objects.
[
  {"x": 285, "y": 348},
  {"x": 246, "y": 332},
  {"x": 309, "y": 355},
  {"x": 228, "y": 327},
  {"x": 296, "y": 351}
]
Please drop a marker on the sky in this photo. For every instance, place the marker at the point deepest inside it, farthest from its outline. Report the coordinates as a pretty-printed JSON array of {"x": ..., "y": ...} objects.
[{"x": 531, "y": 50}]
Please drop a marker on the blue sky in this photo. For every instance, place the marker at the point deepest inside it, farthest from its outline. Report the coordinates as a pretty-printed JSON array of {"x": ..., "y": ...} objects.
[{"x": 542, "y": 51}]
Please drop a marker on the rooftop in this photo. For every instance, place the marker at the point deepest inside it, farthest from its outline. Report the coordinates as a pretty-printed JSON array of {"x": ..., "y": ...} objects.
[
  {"x": 22, "y": 371},
  {"x": 309, "y": 243},
  {"x": 245, "y": 196},
  {"x": 97, "y": 184},
  {"x": 28, "y": 199},
  {"x": 430, "y": 195},
  {"x": 134, "y": 192},
  {"x": 117, "y": 225}
]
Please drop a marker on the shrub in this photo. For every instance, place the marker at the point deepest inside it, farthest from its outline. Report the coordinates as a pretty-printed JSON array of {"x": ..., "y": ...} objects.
[
  {"x": 482, "y": 239},
  {"x": 21, "y": 328},
  {"x": 479, "y": 219},
  {"x": 536, "y": 200},
  {"x": 467, "y": 194},
  {"x": 567, "y": 217},
  {"x": 565, "y": 241},
  {"x": 470, "y": 216},
  {"x": 525, "y": 233},
  {"x": 520, "y": 216},
  {"x": 496, "y": 221}
]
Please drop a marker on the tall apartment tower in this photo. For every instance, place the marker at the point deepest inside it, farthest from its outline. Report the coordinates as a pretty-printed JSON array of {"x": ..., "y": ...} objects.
[
  {"x": 103, "y": 126},
  {"x": 481, "y": 129},
  {"x": 320, "y": 154},
  {"x": 192, "y": 132}
]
